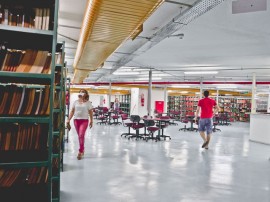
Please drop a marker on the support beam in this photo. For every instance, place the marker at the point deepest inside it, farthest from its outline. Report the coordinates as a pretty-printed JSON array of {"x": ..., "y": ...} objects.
[
  {"x": 149, "y": 98},
  {"x": 178, "y": 3},
  {"x": 110, "y": 94},
  {"x": 253, "y": 101}
]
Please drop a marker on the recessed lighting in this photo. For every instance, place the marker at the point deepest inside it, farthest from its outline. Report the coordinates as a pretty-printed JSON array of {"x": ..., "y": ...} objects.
[
  {"x": 201, "y": 72},
  {"x": 180, "y": 86},
  {"x": 126, "y": 73}
]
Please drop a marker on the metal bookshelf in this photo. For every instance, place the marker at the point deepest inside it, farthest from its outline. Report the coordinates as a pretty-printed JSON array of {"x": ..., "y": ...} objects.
[{"x": 30, "y": 38}]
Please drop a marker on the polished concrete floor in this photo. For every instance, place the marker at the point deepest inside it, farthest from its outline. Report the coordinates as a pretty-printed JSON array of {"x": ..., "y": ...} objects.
[{"x": 115, "y": 169}]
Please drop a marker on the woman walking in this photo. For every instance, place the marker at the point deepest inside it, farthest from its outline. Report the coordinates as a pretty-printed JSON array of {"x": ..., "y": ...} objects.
[{"x": 81, "y": 110}]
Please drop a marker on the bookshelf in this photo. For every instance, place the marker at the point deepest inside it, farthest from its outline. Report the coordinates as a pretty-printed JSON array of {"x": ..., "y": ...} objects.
[
  {"x": 186, "y": 105},
  {"x": 238, "y": 109},
  {"x": 67, "y": 87},
  {"x": 124, "y": 101},
  {"x": 29, "y": 152}
]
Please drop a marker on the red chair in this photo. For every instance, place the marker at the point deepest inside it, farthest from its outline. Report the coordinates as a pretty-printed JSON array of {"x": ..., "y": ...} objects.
[
  {"x": 136, "y": 126},
  {"x": 124, "y": 117},
  {"x": 151, "y": 128}
]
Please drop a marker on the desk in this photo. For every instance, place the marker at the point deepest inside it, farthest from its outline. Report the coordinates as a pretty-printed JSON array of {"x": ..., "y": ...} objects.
[
  {"x": 259, "y": 128},
  {"x": 159, "y": 120}
]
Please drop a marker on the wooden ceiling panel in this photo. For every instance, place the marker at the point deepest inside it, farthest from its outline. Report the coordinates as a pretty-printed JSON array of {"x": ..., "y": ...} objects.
[{"x": 106, "y": 27}]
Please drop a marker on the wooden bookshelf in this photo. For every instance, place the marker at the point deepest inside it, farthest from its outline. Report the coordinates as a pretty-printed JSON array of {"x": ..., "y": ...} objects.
[{"x": 28, "y": 162}]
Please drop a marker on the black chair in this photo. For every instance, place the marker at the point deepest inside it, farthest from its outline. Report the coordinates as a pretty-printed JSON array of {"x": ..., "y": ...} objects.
[
  {"x": 151, "y": 128},
  {"x": 136, "y": 126}
]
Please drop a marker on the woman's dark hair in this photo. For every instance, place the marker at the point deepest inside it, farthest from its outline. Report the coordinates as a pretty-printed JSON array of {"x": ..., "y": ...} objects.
[
  {"x": 206, "y": 93},
  {"x": 86, "y": 96}
]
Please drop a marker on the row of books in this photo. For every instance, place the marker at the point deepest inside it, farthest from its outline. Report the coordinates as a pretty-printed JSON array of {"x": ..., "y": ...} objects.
[
  {"x": 35, "y": 175},
  {"x": 31, "y": 61},
  {"x": 23, "y": 100},
  {"x": 36, "y": 18},
  {"x": 23, "y": 136},
  {"x": 28, "y": 61}
]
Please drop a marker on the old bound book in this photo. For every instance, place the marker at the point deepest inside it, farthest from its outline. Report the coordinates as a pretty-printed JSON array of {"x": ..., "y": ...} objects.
[
  {"x": 27, "y": 61},
  {"x": 39, "y": 63}
]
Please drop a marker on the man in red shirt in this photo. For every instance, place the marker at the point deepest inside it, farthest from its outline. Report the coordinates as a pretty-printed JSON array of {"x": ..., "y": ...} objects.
[{"x": 205, "y": 107}]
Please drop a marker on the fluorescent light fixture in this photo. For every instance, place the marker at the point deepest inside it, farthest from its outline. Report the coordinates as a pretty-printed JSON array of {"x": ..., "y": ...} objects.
[
  {"x": 225, "y": 86},
  {"x": 184, "y": 92},
  {"x": 197, "y": 93},
  {"x": 126, "y": 73},
  {"x": 147, "y": 79},
  {"x": 201, "y": 72},
  {"x": 180, "y": 86}
]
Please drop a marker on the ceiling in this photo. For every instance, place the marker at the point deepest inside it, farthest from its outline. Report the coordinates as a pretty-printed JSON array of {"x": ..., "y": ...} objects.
[{"x": 235, "y": 45}]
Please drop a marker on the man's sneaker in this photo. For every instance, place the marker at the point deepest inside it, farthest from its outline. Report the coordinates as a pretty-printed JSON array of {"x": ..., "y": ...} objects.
[{"x": 205, "y": 144}]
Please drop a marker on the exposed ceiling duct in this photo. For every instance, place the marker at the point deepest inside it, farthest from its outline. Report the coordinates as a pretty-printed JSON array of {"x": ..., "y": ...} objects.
[
  {"x": 106, "y": 25},
  {"x": 184, "y": 18}
]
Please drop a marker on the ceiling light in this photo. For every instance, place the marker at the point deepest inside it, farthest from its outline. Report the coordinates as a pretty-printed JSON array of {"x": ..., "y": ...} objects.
[
  {"x": 202, "y": 72},
  {"x": 180, "y": 86},
  {"x": 126, "y": 73},
  {"x": 184, "y": 92},
  {"x": 225, "y": 86},
  {"x": 147, "y": 79}
]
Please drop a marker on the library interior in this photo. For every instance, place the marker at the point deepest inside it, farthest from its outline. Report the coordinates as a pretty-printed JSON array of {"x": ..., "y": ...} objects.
[{"x": 107, "y": 100}]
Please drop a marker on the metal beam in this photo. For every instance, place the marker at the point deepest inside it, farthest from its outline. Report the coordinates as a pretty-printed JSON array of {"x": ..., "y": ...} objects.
[
  {"x": 67, "y": 26},
  {"x": 179, "y": 3}
]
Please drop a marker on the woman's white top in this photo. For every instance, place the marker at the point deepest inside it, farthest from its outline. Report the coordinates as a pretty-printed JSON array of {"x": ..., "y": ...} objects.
[{"x": 81, "y": 110}]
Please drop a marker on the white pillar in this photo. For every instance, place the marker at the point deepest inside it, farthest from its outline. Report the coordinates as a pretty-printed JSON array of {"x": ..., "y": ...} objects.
[
  {"x": 201, "y": 89},
  {"x": 217, "y": 96},
  {"x": 165, "y": 99},
  {"x": 253, "y": 101},
  {"x": 149, "y": 94},
  {"x": 110, "y": 94}
]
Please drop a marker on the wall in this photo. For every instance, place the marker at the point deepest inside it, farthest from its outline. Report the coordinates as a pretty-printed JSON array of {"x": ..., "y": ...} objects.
[
  {"x": 134, "y": 101},
  {"x": 94, "y": 98},
  {"x": 137, "y": 109}
]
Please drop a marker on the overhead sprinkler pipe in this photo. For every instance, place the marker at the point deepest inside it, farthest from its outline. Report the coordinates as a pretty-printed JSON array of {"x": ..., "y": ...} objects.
[{"x": 171, "y": 83}]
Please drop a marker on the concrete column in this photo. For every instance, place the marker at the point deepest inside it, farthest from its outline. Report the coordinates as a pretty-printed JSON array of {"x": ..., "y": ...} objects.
[
  {"x": 201, "y": 89},
  {"x": 110, "y": 94},
  {"x": 253, "y": 101},
  {"x": 217, "y": 96},
  {"x": 165, "y": 99},
  {"x": 149, "y": 94}
]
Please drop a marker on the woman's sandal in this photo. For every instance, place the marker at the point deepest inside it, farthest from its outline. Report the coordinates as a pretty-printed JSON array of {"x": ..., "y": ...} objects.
[{"x": 80, "y": 156}]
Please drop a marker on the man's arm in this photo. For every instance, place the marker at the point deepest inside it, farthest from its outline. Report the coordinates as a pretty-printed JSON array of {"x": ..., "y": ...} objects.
[{"x": 216, "y": 109}]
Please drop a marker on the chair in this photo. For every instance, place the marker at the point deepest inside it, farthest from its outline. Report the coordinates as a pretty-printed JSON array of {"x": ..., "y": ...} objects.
[
  {"x": 151, "y": 128},
  {"x": 124, "y": 117},
  {"x": 215, "y": 123},
  {"x": 185, "y": 121},
  {"x": 136, "y": 126},
  {"x": 115, "y": 118},
  {"x": 102, "y": 118}
]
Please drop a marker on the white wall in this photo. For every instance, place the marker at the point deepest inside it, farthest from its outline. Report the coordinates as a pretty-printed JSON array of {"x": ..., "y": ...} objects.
[
  {"x": 137, "y": 109},
  {"x": 268, "y": 106},
  {"x": 134, "y": 101},
  {"x": 94, "y": 98}
]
